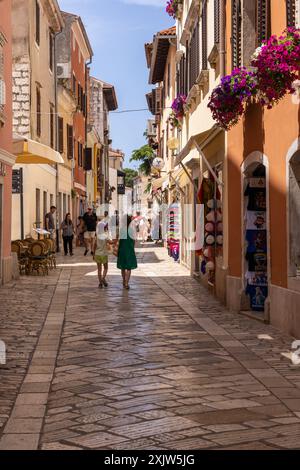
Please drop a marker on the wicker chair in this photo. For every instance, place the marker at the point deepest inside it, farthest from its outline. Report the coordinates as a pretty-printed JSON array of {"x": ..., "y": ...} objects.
[
  {"x": 38, "y": 258},
  {"x": 23, "y": 258}
]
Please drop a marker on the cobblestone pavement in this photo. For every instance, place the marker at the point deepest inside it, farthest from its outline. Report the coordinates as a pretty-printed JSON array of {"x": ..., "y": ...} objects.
[{"x": 163, "y": 366}]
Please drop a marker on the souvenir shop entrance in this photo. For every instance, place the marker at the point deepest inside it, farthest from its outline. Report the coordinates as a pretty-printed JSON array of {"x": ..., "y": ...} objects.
[{"x": 255, "y": 239}]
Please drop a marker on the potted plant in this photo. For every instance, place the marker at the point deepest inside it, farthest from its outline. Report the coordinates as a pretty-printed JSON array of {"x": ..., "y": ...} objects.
[
  {"x": 228, "y": 100},
  {"x": 174, "y": 8}
]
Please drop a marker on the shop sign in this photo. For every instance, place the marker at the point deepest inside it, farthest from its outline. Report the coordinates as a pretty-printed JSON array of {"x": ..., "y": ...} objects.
[{"x": 17, "y": 182}]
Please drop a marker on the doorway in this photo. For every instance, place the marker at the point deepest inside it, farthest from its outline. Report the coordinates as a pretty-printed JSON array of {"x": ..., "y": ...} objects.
[{"x": 255, "y": 237}]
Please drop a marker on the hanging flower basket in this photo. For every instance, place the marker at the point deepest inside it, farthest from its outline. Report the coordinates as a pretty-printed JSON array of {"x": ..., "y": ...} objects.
[
  {"x": 228, "y": 100},
  {"x": 277, "y": 67},
  {"x": 178, "y": 106},
  {"x": 174, "y": 7},
  {"x": 274, "y": 72},
  {"x": 174, "y": 121}
]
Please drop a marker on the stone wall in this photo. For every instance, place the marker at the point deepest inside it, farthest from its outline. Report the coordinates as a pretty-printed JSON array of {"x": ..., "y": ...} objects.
[{"x": 21, "y": 97}]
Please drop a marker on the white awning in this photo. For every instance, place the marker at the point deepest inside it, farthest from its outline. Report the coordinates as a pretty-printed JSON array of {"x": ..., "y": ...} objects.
[{"x": 31, "y": 152}]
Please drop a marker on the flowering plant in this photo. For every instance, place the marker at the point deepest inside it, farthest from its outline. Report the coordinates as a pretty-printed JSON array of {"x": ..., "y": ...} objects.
[
  {"x": 178, "y": 106},
  {"x": 228, "y": 100},
  {"x": 277, "y": 66},
  {"x": 174, "y": 121},
  {"x": 172, "y": 7}
]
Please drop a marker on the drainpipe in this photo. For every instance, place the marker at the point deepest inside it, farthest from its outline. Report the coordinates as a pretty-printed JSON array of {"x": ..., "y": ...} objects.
[{"x": 222, "y": 37}]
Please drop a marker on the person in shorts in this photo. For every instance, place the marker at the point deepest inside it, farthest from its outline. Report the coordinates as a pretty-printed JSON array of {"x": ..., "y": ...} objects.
[
  {"x": 101, "y": 250},
  {"x": 90, "y": 221}
]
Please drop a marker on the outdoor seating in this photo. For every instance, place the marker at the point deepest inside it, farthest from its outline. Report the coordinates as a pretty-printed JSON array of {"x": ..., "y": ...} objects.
[
  {"x": 38, "y": 258},
  {"x": 22, "y": 253}
]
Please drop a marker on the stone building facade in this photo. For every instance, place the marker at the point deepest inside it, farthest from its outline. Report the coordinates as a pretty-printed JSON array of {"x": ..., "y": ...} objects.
[{"x": 36, "y": 22}]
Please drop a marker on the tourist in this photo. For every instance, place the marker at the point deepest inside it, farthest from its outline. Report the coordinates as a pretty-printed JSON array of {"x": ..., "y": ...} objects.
[
  {"x": 101, "y": 250},
  {"x": 50, "y": 225},
  {"x": 126, "y": 254},
  {"x": 68, "y": 232},
  {"x": 90, "y": 221}
]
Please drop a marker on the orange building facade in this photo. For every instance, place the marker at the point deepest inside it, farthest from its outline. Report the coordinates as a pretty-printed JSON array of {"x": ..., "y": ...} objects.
[
  {"x": 263, "y": 151},
  {"x": 6, "y": 158}
]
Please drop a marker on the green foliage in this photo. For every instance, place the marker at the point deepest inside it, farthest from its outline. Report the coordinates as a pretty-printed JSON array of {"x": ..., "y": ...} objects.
[
  {"x": 145, "y": 155},
  {"x": 130, "y": 174}
]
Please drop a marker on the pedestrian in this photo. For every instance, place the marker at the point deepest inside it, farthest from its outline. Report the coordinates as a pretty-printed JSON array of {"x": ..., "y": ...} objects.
[
  {"x": 80, "y": 231},
  {"x": 90, "y": 221},
  {"x": 68, "y": 232},
  {"x": 126, "y": 253},
  {"x": 101, "y": 250},
  {"x": 50, "y": 225}
]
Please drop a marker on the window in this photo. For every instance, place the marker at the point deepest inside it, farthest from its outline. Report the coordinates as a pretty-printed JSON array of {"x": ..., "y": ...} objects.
[
  {"x": 169, "y": 79},
  {"x": 291, "y": 13},
  {"x": 194, "y": 57},
  {"x": 70, "y": 140},
  {"x": 204, "y": 36},
  {"x": 236, "y": 33},
  {"x": 74, "y": 85},
  {"x": 80, "y": 155},
  {"x": 38, "y": 112},
  {"x": 60, "y": 135},
  {"x": 45, "y": 205},
  {"x": 37, "y": 22},
  {"x": 38, "y": 208},
  {"x": 51, "y": 126},
  {"x": 263, "y": 20},
  {"x": 217, "y": 21},
  {"x": 51, "y": 50}
]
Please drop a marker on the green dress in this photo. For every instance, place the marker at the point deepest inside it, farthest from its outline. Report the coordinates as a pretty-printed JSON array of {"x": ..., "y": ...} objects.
[{"x": 126, "y": 254}]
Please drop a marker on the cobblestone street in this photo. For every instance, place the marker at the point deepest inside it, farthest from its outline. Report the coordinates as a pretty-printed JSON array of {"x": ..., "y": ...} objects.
[{"x": 162, "y": 366}]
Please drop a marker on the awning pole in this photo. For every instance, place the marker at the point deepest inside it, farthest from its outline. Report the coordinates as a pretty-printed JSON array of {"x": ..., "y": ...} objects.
[
  {"x": 208, "y": 165},
  {"x": 177, "y": 185},
  {"x": 189, "y": 177}
]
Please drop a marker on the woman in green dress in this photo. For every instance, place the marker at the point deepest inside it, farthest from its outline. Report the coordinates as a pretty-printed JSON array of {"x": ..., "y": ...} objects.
[{"x": 126, "y": 253}]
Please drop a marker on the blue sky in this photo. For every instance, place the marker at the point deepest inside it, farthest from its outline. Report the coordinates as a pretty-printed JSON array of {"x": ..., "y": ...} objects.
[{"x": 118, "y": 30}]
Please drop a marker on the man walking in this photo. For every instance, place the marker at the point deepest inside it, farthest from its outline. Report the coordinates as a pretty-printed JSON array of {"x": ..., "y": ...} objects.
[
  {"x": 90, "y": 220},
  {"x": 50, "y": 225}
]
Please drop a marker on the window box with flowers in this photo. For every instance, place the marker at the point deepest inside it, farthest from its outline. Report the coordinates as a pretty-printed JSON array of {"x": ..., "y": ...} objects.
[
  {"x": 174, "y": 8},
  {"x": 178, "y": 111},
  {"x": 274, "y": 73}
]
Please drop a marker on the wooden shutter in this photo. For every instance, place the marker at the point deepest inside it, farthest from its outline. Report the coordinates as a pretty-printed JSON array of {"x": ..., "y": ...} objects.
[
  {"x": 70, "y": 142},
  {"x": 236, "y": 33},
  {"x": 88, "y": 159},
  {"x": 217, "y": 21},
  {"x": 38, "y": 112},
  {"x": 60, "y": 135},
  {"x": 204, "y": 36},
  {"x": 263, "y": 20},
  {"x": 186, "y": 70},
  {"x": 51, "y": 126},
  {"x": 37, "y": 22},
  {"x": 51, "y": 50},
  {"x": 291, "y": 13},
  {"x": 194, "y": 56}
]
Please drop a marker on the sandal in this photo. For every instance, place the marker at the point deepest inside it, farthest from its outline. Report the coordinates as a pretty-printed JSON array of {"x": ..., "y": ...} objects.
[
  {"x": 104, "y": 283},
  {"x": 100, "y": 285}
]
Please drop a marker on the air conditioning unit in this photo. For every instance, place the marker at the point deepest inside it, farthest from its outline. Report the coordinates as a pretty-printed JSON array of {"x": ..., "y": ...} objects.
[
  {"x": 151, "y": 128},
  {"x": 63, "y": 70},
  {"x": 2, "y": 93}
]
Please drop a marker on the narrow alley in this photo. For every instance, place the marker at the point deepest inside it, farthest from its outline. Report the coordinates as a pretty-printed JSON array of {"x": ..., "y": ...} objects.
[{"x": 162, "y": 366}]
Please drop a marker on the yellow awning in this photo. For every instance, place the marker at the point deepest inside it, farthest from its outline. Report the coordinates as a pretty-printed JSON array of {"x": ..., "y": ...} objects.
[{"x": 31, "y": 152}]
